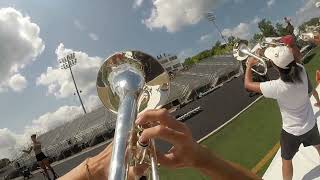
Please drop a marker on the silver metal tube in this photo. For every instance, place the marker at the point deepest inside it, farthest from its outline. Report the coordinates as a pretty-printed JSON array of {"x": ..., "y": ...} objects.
[
  {"x": 126, "y": 116},
  {"x": 261, "y": 61},
  {"x": 154, "y": 168},
  {"x": 245, "y": 51},
  {"x": 122, "y": 82}
]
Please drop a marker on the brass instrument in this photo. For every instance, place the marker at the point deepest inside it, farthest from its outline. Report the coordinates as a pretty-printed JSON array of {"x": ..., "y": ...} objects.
[
  {"x": 310, "y": 33},
  {"x": 308, "y": 36},
  {"x": 241, "y": 52},
  {"x": 130, "y": 82}
]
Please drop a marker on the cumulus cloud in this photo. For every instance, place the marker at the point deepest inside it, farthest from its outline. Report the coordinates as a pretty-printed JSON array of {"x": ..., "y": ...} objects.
[
  {"x": 243, "y": 30},
  {"x": 306, "y": 12},
  {"x": 93, "y": 36},
  {"x": 17, "y": 82},
  {"x": 54, "y": 119},
  {"x": 20, "y": 45},
  {"x": 59, "y": 82},
  {"x": 173, "y": 15},
  {"x": 11, "y": 142},
  {"x": 137, "y": 3},
  {"x": 270, "y": 3}
]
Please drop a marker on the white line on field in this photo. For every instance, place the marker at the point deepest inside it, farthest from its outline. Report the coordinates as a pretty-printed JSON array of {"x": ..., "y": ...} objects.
[{"x": 226, "y": 123}]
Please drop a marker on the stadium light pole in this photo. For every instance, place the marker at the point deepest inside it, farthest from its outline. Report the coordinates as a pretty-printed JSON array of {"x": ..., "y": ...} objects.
[
  {"x": 212, "y": 18},
  {"x": 66, "y": 63}
]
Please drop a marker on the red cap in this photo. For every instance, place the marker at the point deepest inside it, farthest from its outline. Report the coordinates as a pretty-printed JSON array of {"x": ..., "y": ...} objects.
[{"x": 287, "y": 40}]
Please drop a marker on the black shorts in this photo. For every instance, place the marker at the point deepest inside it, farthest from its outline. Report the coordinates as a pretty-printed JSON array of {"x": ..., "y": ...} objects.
[
  {"x": 290, "y": 143},
  {"x": 41, "y": 157}
]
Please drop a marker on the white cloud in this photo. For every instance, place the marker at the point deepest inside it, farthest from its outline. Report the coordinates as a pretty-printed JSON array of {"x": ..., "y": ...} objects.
[
  {"x": 173, "y": 15},
  {"x": 270, "y": 3},
  {"x": 207, "y": 38},
  {"x": 79, "y": 25},
  {"x": 92, "y": 102},
  {"x": 137, "y": 3},
  {"x": 83, "y": 28},
  {"x": 59, "y": 82},
  {"x": 93, "y": 36},
  {"x": 20, "y": 45},
  {"x": 17, "y": 82},
  {"x": 11, "y": 143},
  {"x": 54, "y": 119},
  {"x": 306, "y": 12},
  {"x": 255, "y": 20},
  {"x": 243, "y": 30}
]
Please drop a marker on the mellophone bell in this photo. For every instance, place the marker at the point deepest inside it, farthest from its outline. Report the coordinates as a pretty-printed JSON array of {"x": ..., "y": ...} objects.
[
  {"x": 241, "y": 52},
  {"x": 309, "y": 34},
  {"x": 130, "y": 82}
]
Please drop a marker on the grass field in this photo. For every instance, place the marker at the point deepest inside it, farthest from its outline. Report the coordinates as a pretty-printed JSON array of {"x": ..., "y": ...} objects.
[{"x": 250, "y": 136}]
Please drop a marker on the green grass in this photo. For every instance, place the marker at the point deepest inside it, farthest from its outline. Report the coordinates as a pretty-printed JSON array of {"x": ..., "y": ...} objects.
[{"x": 249, "y": 137}]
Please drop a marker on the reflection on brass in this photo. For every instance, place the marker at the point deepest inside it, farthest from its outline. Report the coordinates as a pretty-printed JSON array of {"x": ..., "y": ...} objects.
[{"x": 130, "y": 82}]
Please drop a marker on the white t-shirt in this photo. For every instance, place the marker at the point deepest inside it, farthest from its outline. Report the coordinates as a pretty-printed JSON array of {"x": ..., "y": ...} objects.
[{"x": 294, "y": 103}]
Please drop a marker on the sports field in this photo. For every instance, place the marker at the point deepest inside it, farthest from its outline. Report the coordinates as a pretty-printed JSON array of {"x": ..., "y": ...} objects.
[{"x": 250, "y": 137}]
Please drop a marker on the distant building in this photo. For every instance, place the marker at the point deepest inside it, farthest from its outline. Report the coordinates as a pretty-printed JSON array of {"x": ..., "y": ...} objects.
[{"x": 170, "y": 62}]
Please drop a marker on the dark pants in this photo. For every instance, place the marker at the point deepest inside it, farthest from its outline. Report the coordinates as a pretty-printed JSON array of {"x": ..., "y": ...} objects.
[{"x": 290, "y": 143}]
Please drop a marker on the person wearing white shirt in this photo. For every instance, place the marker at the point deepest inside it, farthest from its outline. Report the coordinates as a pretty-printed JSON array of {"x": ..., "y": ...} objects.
[{"x": 291, "y": 92}]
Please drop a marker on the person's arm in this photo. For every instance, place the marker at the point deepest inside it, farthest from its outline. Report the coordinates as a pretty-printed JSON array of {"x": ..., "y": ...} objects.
[
  {"x": 185, "y": 151},
  {"x": 92, "y": 168},
  {"x": 297, "y": 54},
  {"x": 96, "y": 168},
  {"x": 316, "y": 40},
  {"x": 316, "y": 96},
  {"x": 28, "y": 151},
  {"x": 249, "y": 84}
]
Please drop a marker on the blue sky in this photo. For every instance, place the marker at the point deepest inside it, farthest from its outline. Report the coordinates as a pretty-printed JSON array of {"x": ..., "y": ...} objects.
[{"x": 97, "y": 28}]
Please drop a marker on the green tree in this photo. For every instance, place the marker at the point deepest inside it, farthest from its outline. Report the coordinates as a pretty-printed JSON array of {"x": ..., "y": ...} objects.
[
  {"x": 188, "y": 62},
  {"x": 267, "y": 28},
  {"x": 217, "y": 44},
  {"x": 281, "y": 31},
  {"x": 231, "y": 40},
  {"x": 311, "y": 22},
  {"x": 257, "y": 37}
]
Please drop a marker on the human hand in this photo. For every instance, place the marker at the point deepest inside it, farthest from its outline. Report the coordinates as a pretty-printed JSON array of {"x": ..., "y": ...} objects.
[
  {"x": 251, "y": 61},
  {"x": 258, "y": 52},
  {"x": 185, "y": 152},
  {"x": 99, "y": 166},
  {"x": 317, "y": 104},
  {"x": 316, "y": 39}
]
